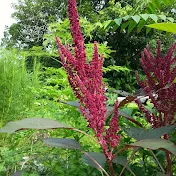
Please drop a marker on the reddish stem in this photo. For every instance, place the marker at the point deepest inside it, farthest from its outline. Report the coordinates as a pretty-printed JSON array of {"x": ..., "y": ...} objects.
[
  {"x": 111, "y": 167},
  {"x": 169, "y": 163}
]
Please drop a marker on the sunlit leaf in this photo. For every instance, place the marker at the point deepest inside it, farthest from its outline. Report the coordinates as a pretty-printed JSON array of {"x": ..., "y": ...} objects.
[
  {"x": 31, "y": 123},
  {"x": 168, "y": 27},
  {"x": 136, "y": 18},
  {"x": 144, "y": 16},
  {"x": 62, "y": 143},
  {"x": 118, "y": 21},
  {"x": 154, "y": 17}
]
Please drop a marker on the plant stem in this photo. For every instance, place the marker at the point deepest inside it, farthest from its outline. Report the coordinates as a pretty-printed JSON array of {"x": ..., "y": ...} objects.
[
  {"x": 111, "y": 167},
  {"x": 169, "y": 163},
  {"x": 157, "y": 161},
  {"x": 100, "y": 167},
  {"x": 134, "y": 152}
]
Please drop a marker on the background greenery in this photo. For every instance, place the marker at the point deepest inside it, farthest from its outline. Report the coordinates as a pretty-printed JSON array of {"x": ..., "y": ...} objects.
[{"x": 32, "y": 79}]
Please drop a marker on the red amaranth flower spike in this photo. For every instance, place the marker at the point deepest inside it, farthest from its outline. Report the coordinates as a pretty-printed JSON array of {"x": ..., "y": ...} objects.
[
  {"x": 86, "y": 82},
  {"x": 160, "y": 74}
]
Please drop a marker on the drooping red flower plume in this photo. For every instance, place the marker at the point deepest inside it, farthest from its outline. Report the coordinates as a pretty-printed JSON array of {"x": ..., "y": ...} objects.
[
  {"x": 86, "y": 82},
  {"x": 159, "y": 85}
]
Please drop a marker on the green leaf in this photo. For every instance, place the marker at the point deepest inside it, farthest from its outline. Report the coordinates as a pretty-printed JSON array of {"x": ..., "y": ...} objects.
[
  {"x": 170, "y": 19},
  {"x": 156, "y": 144},
  {"x": 141, "y": 134},
  {"x": 107, "y": 24},
  {"x": 160, "y": 174},
  {"x": 141, "y": 24},
  {"x": 131, "y": 26},
  {"x": 122, "y": 160},
  {"x": 151, "y": 7},
  {"x": 136, "y": 18},
  {"x": 18, "y": 173},
  {"x": 126, "y": 17},
  {"x": 148, "y": 30},
  {"x": 118, "y": 21},
  {"x": 154, "y": 17},
  {"x": 124, "y": 25},
  {"x": 63, "y": 143},
  {"x": 70, "y": 103},
  {"x": 163, "y": 17},
  {"x": 168, "y": 27},
  {"x": 94, "y": 156},
  {"x": 31, "y": 123},
  {"x": 144, "y": 16}
]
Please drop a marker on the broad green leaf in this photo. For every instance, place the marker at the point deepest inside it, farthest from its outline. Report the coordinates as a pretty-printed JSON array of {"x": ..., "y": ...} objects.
[
  {"x": 141, "y": 134},
  {"x": 168, "y": 27},
  {"x": 94, "y": 156},
  {"x": 156, "y": 144},
  {"x": 144, "y": 16},
  {"x": 62, "y": 143},
  {"x": 31, "y": 123},
  {"x": 154, "y": 17},
  {"x": 122, "y": 160},
  {"x": 118, "y": 21},
  {"x": 131, "y": 26},
  {"x": 136, "y": 18}
]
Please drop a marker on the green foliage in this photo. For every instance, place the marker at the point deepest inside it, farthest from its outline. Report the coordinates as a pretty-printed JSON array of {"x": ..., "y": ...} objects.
[
  {"x": 151, "y": 6},
  {"x": 128, "y": 23},
  {"x": 62, "y": 30},
  {"x": 17, "y": 86}
]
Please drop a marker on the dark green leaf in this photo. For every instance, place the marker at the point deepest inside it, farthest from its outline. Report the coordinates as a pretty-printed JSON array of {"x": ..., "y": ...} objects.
[
  {"x": 122, "y": 160},
  {"x": 31, "y": 123},
  {"x": 141, "y": 24},
  {"x": 124, "y": 25},
  {"x": 141, "y": 134},
  {"x": 160, "y": 174},
  {"x": 131, "y": 26},
  {"x": 94, "y": 156},
  {"x": 71, "y": 103},
  {"x": 62, "y": 143},
  {"x": 156, "y": 144}
]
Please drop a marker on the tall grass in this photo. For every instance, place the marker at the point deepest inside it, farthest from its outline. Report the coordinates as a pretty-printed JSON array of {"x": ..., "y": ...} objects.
[{"x": 17, "y": 86}]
